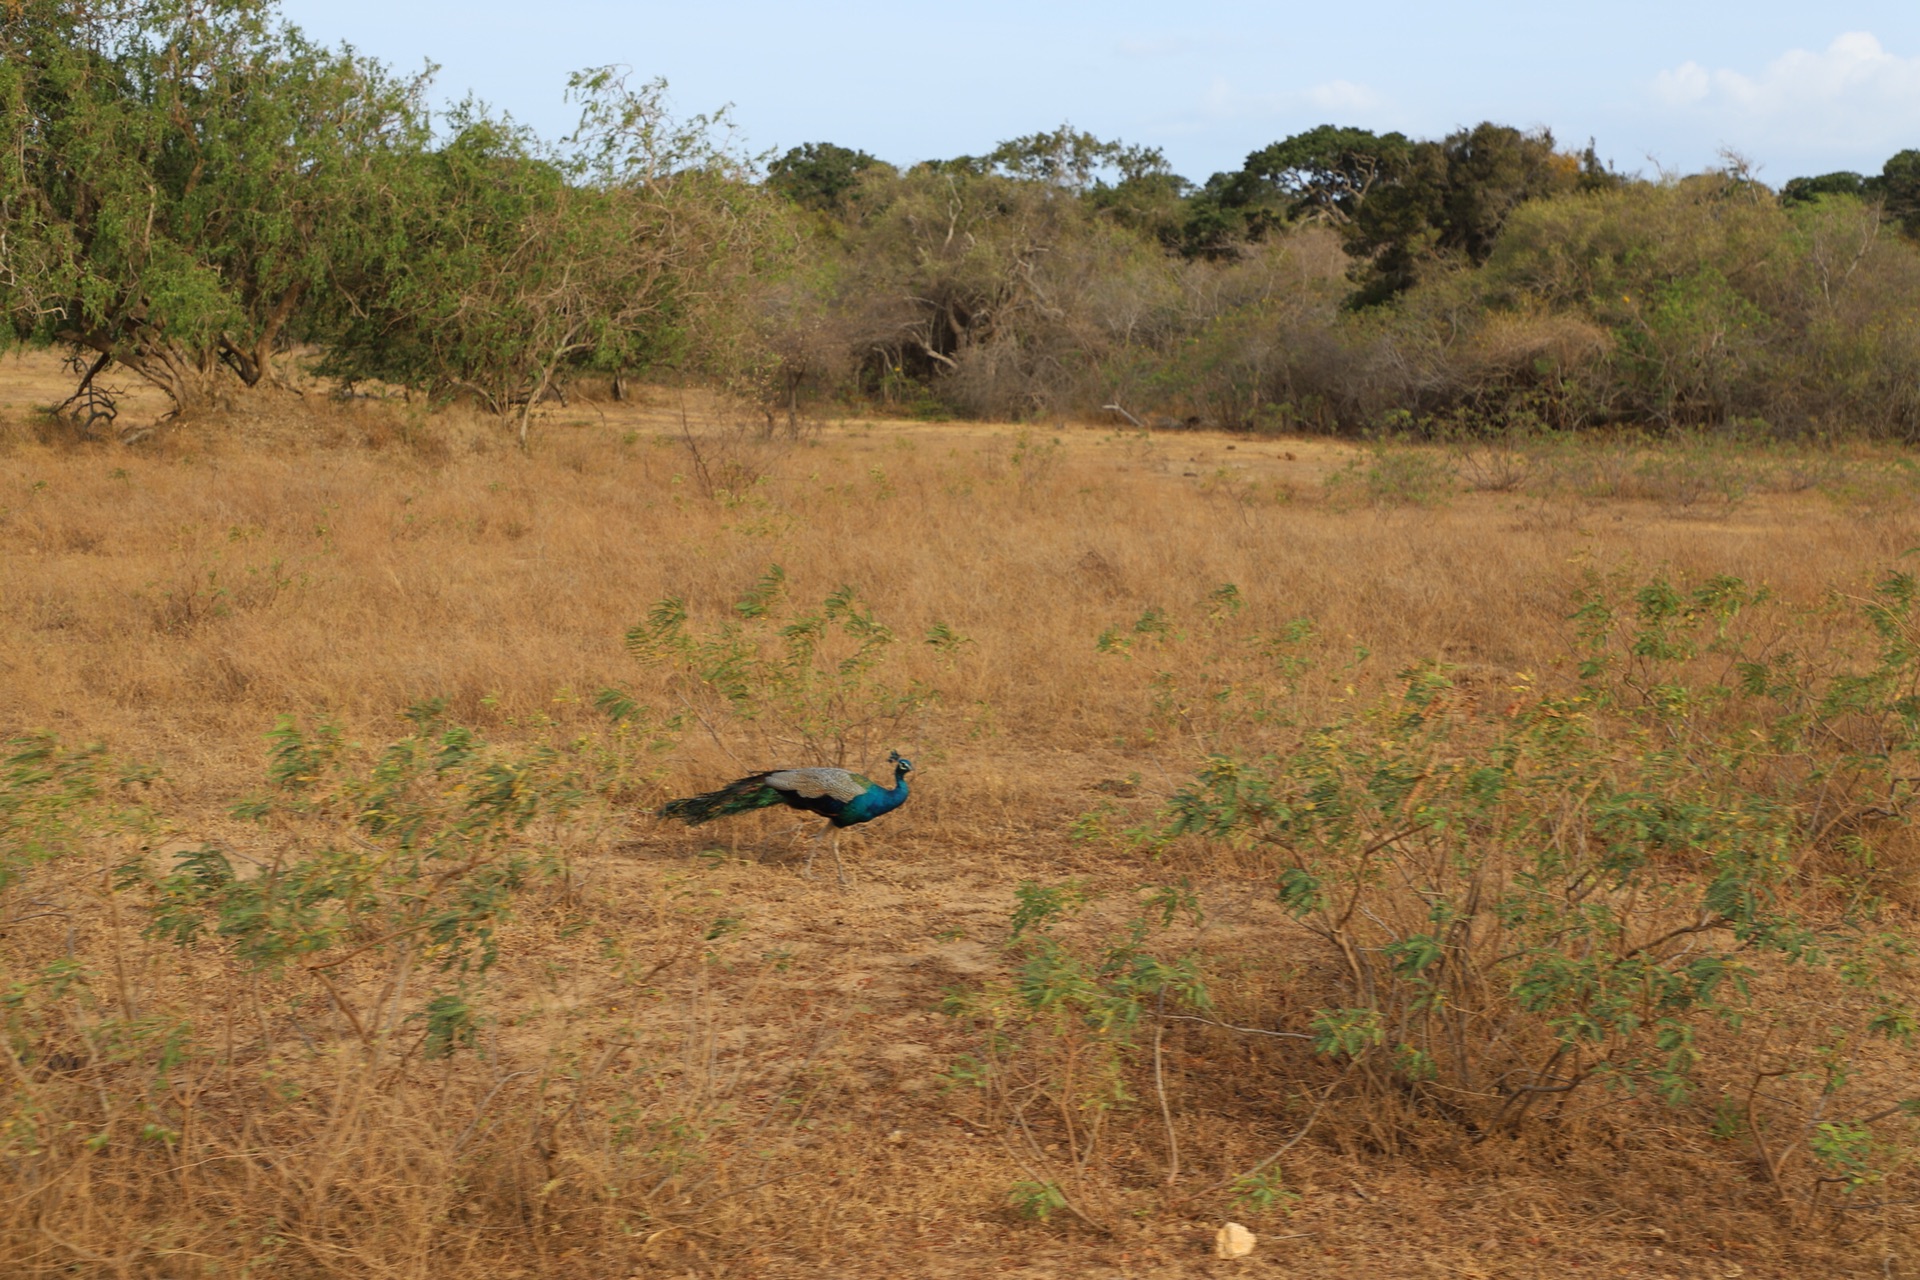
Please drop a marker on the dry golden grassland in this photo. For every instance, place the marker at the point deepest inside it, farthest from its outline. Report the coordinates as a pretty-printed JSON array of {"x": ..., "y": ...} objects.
[{"x": 687, "y": 1059}]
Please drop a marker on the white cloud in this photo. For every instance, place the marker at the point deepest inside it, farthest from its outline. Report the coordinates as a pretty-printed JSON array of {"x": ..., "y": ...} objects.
[
  {"x": 1850, "y": 95},
  {"x": 1685, "y": 84},
  {"x": 1342, "y": 95}
]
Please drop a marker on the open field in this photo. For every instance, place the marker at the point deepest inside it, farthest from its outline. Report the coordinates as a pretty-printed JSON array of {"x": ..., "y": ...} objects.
[{"x": 689, "y": 1060}]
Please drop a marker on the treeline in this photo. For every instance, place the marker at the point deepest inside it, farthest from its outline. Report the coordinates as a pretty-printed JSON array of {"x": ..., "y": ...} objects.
[
  {"x": 190, "y": 191},
  {"x": 1343, "y": 280}
]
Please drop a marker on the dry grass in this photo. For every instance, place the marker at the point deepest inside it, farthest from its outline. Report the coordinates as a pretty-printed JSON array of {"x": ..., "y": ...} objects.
[{"x": 656, "y": 1095}]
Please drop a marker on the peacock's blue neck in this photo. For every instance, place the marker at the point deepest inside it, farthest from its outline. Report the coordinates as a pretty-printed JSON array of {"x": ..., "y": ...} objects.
[
  {"x": 896, "y": 795},
  {"x": 875, "y": 801}
]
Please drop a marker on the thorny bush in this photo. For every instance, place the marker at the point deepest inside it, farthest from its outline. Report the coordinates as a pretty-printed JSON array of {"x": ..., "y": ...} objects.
[
  {"x": 1060, "y": 1042},
  {"x": 1605, "y": 888},
  {"x": 378, "y": 867},
  {"x": 809, "y": 683},
  {"x": 1674, "y": 880}
]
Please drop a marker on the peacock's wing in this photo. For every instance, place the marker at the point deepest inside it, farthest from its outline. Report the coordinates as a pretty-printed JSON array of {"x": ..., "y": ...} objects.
[{"x": 815, "y": 784}]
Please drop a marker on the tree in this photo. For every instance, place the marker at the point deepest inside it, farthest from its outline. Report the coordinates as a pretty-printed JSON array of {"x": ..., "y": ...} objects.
[
  {"x": 1153, "y": 202},
  {"x": 1322, "y": 175},
  {"x": 1065, "y": 158},
  {"x": 176, "y": 175},
  {"x": 498, "y": 265},
  {"x": 1451, "y": 198},
  {"x": 818, "y": 175},
  {"x": 1327, "y": 172},
  {"x": 1845, "y": 182},
  {"x": 464, "y": 281},
  {"x": 1899, "y": 186},
  {"x": 1229, "y": 212}
]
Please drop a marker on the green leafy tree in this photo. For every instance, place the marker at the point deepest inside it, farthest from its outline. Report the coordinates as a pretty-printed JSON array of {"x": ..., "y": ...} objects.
[
  {"x": 1228, "y": 212},
  {"x": 177, "y": 176},
  {"x": 1843, "y": 182},
  {"x": 1152, "y": 202},
  {"x": 1899, "y": 186},
  {"x": 1065, "y": 158},
  {"x": 1451, "y": 198},
  {"x": 1073, "y": 159},
  {"x": 499, "y": 265},
  {"x": 819, "y": 175},
  {"x": 1329, "y": 171},
  {"x": 1324, "y": 174}
]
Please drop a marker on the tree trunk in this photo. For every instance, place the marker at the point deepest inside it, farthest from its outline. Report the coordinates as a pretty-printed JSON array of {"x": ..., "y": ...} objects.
[
  {"x": 250, "y": 364},
  {"x": 190, "y": 379}
]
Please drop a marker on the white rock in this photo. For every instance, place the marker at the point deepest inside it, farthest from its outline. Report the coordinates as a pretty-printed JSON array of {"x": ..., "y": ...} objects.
[{"x": 1232, "y": 1241}]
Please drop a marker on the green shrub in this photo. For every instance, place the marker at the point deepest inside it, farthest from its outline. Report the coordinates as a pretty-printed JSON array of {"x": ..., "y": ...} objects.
[
  {"x": 1391, "y": 473},
  {"x": 409, "y": 856},
  {"x": 1593, "y": 891},
  {"x": 56, "y": 800},
  {"x": 1060, "y": 1043},
  {"x": 804, "y": 683}
]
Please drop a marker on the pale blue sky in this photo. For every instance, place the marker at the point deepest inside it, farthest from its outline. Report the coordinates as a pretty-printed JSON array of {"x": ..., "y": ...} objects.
[{"x": 1797, "y": 88}]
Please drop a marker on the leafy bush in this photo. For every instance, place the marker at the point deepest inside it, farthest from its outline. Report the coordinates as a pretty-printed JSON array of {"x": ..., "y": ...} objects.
[
  {"x": 1392, "y": 474},
  {"x": 1672, "y": 881},
  {"x": 411, "y": 857},
  {"x": 180, "y": 182},
  {"x": 55, "y": 801},
  {"x": 1060, "y": 1043},
  {"x": 1597, "y": 890},
  {"x": 809, "y": 683}
]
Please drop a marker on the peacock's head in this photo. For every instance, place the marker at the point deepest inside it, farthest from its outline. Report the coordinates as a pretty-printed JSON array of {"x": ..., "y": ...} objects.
[{"x": 900, "y": 763}]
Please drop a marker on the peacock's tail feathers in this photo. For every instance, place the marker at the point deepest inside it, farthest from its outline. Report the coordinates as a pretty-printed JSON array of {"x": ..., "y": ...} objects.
[{"x": 741, "y": 796}]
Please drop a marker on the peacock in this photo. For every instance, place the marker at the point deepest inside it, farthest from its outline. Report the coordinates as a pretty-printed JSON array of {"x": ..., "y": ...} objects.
[{"x": 843, "y": 798}]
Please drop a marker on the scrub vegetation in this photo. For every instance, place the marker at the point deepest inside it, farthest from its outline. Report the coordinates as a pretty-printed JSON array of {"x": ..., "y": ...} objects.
[
  {"x": 191, "y": 192},
  {"x": 1411, "y": 652}
]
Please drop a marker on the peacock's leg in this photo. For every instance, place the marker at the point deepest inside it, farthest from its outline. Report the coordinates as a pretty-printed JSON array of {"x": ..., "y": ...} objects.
[
  {"x": 813, "y": 849},
  {"x": 838, "y": 865}
]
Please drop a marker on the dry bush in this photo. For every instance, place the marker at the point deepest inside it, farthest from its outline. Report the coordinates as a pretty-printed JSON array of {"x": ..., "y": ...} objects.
[
  {"x": 1496, "y": 465},
  {"x": 1662, "y": 307},
  {"x": 683, "y": 1058}
]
